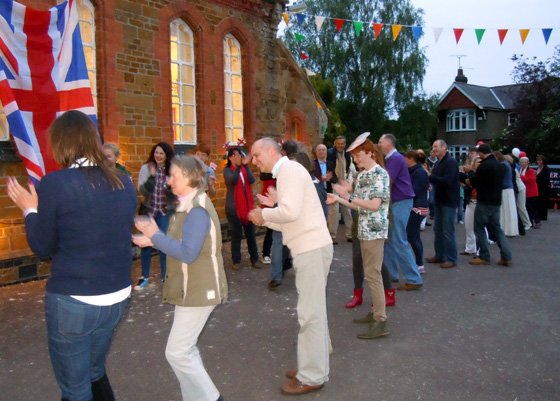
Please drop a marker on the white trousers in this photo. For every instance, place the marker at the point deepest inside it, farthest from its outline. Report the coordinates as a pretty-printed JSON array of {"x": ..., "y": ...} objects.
[
  {"x": 183, "y": 356},
  {"x": 312, "y": 271},
  {"x": 522, "y": 210},
  {"x": 470, "y": 245}
]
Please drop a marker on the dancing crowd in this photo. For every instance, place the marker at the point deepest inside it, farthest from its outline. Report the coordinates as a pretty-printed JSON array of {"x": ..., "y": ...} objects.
[{"x": 83, "y": 215}]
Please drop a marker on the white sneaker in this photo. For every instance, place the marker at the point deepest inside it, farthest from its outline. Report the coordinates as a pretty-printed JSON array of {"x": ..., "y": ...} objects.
[{"x": 267, "y": 260}]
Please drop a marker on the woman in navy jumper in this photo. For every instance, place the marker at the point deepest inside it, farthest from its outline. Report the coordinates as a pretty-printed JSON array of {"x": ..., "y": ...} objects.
[{"x": 81, "y": 217}]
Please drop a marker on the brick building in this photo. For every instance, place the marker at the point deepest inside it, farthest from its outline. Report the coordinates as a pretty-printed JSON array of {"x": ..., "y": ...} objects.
[{"x": 185, "y": 72}]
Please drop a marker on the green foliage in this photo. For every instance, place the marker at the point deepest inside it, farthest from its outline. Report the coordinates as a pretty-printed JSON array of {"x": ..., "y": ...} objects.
[
  {"x": 537, "y": 129},
  {"x": 416, "y": 127},
  {"x": 373, "y": 78}
]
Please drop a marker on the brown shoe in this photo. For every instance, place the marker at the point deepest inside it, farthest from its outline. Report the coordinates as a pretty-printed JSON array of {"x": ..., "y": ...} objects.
[
  {"x": 478, "y": 262},
  {"x": 295, "y": 387},
  {"x": 409, "y": 287},
  {"x": 291, "y": 374},
  {"x": 503, "y": 262},
  {"x": 447, "y": 265},
  {"x": 433, "y": 260}
]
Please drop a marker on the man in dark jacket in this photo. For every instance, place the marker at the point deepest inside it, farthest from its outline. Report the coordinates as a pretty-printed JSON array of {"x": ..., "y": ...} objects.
[
  {"x": 445, "y": 180},
  {"x": 487, "y": 181}
]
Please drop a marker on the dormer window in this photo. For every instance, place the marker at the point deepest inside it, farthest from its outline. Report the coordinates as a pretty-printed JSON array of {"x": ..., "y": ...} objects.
[{"x": 461, "y": 120}]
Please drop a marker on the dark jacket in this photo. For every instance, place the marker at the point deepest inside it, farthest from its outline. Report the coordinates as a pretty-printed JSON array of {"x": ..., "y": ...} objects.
[
  {"x": 331, "y": 156},
  {"x": 420, "y": 183},
  {"x": 445, "y": 179},
  {"x": 318, "y": 174},
  {"x": 488, "y": 181}
]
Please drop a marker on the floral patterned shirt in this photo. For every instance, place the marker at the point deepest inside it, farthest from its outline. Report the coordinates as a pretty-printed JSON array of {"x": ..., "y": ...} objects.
[{"x": 373, "y": 184}]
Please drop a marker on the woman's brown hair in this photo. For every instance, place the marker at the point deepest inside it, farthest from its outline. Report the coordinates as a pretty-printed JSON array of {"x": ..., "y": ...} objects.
[
  {"x": 74, "y": 136},
  {"x": 369, "y": 146}
]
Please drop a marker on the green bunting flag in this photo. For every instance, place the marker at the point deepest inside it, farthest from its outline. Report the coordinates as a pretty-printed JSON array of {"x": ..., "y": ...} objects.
[
  {"x": 479, "y": 34},
  {"x": 299, "y": 37},
  {"x": 358, "y": 25}
]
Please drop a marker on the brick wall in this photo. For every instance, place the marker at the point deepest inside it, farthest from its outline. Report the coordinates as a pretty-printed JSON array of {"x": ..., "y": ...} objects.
[{"x": 133, "y": 75}]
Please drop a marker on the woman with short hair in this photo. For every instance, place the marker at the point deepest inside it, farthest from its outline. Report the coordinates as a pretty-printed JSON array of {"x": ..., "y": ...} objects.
[{"x": 196, "y": 281}]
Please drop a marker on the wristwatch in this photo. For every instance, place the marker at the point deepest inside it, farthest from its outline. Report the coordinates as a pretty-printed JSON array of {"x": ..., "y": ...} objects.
[{"x": 350, "y": 198}]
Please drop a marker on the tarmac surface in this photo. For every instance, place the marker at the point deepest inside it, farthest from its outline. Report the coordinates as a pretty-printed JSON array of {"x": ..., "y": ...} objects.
[{"x": 485, "y": 333}]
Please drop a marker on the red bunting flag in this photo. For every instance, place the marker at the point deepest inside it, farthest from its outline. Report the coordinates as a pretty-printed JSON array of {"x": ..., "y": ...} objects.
[
  {"x": 502, "y": 34},
  {"x": 377, "y": 29},
  {"x": 338, "y": 22},
  {"x": 303, "y": 56},
  {"x": 458, "y": 32}
]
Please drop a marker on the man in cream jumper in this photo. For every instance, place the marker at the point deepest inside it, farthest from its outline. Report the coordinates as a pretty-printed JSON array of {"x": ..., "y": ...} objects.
[{"x": 298, "y": 214}]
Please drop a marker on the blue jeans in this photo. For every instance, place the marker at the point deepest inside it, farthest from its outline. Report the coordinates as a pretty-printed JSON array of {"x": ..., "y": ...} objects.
[
  {"x": 276, "y": 272},
  {"x": 236, "y": 228},
  {"x": 445, "y": 245},
  {"x": 413, "y": 236},
  {"x": 489, "y": 216},
  {"x": 146, "y": 253},
  {"x": 397, "y": 250},
  {"x": 79, "y": 337}
]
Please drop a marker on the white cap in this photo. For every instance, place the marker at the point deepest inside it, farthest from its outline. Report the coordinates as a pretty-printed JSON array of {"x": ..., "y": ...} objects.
[{"x": 358, "y": 141}]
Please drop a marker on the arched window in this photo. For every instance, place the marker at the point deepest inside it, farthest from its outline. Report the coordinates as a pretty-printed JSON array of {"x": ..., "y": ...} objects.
[
  {"x": 86, "y": 16},
  {"x": 233, "y": 89},
  {"x": 183, "y": 87}
]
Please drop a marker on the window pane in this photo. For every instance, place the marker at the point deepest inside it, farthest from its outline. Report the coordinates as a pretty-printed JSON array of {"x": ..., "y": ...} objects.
[
  {"x": 236, "y": 83},
  {"x": 186, "y": 54},
  {"x": 187, "y": 74},
  {"x": 237, "y": 101},
  {"x": 233, "y": 88},
  {"x": 86, "y": 17},
  {"x": 188, "y": 114},
  {"x": 187, "y": 133},
  {"x": 237, "y": 118},
  {"x": 188, "y": 94}
]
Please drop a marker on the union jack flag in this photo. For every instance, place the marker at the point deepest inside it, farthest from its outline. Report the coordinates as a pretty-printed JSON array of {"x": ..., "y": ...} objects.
[{"x": 43, "y": 73}]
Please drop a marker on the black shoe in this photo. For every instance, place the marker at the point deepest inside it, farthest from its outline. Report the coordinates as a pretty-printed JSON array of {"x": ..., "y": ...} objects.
[{"x": 274, "y": 284}]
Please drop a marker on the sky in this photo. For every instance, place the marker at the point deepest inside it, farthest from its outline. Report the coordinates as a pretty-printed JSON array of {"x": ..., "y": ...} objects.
[{"x": 487, "y": 63}]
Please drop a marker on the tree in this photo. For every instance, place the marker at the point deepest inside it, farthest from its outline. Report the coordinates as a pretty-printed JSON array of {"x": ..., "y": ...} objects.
[
  {"x": 416, "y": 127},
  {"x": 373, "y": 77},
  {"x": 537, "y": 127}
]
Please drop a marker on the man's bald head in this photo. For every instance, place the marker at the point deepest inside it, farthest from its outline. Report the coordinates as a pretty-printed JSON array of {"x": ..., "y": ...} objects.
[{"x": 265, "y": 152}]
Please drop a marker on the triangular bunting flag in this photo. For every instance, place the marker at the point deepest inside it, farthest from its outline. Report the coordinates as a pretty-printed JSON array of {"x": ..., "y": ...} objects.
[
  {"x": 416, "y": 32},
  {"x": 523, "y": 33},
  {"x": 502, "y": 34},
  {"x": 437, "y": 33},
  {"x": 338, "y": 22},
  {"x": 458, "y": 32},
  {"x": 396, "y": 29},
  {"x": 546, "y": 33},
  {"x": 358, "y": 26},
  {"x": 377, "y": 29},
  {"x": 479, "y": 34},
  {"x": 303, "y": 56},
  {"x": 299, "y": 37},
  {"x": 286, "y": 17},
  {"x": 300, "y": 18},
  {"x": 319, "y": 22}
]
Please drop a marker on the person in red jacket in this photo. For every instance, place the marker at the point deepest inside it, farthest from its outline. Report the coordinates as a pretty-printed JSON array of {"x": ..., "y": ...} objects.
[{"x": 529, "y": 178}]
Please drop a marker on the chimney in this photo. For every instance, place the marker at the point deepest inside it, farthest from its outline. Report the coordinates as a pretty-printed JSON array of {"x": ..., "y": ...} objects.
[{"x": 460, "y": 76}]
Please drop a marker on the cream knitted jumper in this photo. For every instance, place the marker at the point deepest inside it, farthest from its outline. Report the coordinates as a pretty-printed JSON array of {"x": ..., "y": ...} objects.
[{"x": 299, "y": 214}]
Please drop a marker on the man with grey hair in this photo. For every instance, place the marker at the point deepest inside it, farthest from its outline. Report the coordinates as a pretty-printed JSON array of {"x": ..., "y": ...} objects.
[
  {"x": 398, "y": 252},
  {"x": 295, "y": 210},
  {"x": 445, "y": 180}
]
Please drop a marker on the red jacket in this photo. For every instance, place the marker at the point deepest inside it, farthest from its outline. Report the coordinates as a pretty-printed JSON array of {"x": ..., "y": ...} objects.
[{"x": 529, "y": 178}]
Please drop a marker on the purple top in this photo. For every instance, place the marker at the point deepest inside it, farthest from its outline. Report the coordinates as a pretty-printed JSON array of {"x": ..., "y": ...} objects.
[{"x": 401, "y": 186}]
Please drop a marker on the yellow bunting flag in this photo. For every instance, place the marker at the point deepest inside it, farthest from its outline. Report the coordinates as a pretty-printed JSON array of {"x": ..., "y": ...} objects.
[
  {"x": 396, "y": 31},
  {"x": 285, "y": 16},
  {"x": 523, "y": 33}
]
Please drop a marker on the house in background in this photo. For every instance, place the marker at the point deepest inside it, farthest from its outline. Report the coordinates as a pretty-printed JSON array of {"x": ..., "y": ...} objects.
[
  {"x": 471, "y": 113},
  {"x": 184, "y": 72}
]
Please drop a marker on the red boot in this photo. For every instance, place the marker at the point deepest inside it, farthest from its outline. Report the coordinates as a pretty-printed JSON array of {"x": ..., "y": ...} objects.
[
  {"x": 390, "y": 297},
  {"x": 356, "y": 299}
]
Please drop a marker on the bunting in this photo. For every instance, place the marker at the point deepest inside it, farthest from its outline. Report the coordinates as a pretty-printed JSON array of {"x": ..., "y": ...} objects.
[{"x": 417, "y": 31}]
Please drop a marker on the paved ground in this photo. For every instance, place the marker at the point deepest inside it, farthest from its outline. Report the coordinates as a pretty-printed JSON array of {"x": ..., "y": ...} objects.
[{"x": 471, "y": 334}]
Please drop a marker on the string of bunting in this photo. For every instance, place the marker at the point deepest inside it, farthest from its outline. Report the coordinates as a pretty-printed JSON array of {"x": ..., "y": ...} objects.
[{"x": 417, "y": 31}]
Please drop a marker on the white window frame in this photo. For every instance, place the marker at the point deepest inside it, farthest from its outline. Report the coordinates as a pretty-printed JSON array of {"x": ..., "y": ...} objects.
[
  {"x": 183, "y": 108},
  {"x": 511, "y": 118},
  {"x": 86, "y": 17},
  {"x": 457, "y": 150},
  {"x": 233, "y": 111},
  {"x": 461, "y": 120}
]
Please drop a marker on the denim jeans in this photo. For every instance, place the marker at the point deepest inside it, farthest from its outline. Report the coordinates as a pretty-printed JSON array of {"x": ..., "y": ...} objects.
[
  {"x": 146, "y": 253},
  {"x": 413, "y": 236},
  {"x": 489, "y": 216},
  {"x": 79, "y": 337},
  {"x": 276, "y": 272},
  {"x": 397, "y": 250},
  {"x": 236, "y": 228},
  {"x": 445, "y": 244}
]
